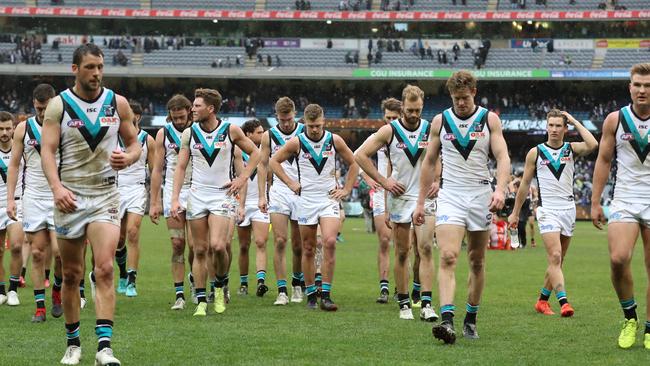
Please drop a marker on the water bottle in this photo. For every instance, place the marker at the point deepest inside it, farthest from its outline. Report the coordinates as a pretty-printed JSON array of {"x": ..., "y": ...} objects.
[{"x": 514, "y": 238}]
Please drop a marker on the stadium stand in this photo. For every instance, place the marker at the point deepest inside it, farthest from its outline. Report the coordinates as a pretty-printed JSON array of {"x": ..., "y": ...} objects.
[
  {"x": 129, "y": 4},
  {"x": 203, "y": 4},
  {"x": 622, "y": 58}
]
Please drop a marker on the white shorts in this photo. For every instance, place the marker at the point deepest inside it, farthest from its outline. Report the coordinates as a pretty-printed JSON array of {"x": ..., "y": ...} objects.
[
  {"x": 167, "y": 200},
  {"x": 104, "y": 208},
  {"x": 253, "y": 213},
  {"x": 5, "y": 221},
  {"x": 378, "y": 202},
  {"x": 38, "y": 213},
  {"x": 311, "y": 209},
  {"x": 200, "y": 204},
  {"x": 430, "y": 207},
  {"x": 465, "y": 208},
  {"x": 400, "y": 209},
  {"x": 133, "y": 199},
  {"x": 620, "y": 211},
  {"x": 552, "y": 221},
  {"x": 283, "y": 201}
]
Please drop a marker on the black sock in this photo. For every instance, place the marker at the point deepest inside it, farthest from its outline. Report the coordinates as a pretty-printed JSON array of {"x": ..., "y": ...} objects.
[
  {"x": 92, "y": 277},
  {"x": 220, "y": 282},
  {"x": 191, "y": 278},
  {"x": 226, "y": 279},
  {"x": 178, "y": 286},
  {"x": 120, "y": 258},
  {"x": 403, "y": 299},
  {"x": 39, "y": 296},
  {"x": 647, "y": 327},
  {"x": 311, "y": 297},
  {"x": 14, "y": 282},
  {"x": 72, "y": 334},
  {"x": 200, "y": 295},
  {"x": 47, "y": 274},
  {"x": 544, "y": 294},
  {"x": 132, "y": 274},
  {"x": 447, "y": 313},
  {"x": 295, "y": 279},
  {"x": 383, "y": 286},
  {"x": 426, "y": 298},
  {"x": 629, "y": 308},
  {"x": 3, "y": 290},
  {"x": 82, "y": 289},
  {"x": 319, "y": 279},
  {"x": 104, "y": 332},
  {"x": 58, "y": 282},
  {"x": 23, "y": 272}
]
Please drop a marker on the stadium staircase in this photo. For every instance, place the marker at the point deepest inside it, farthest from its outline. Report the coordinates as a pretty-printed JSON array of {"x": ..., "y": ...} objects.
[
  {"x": 145, "y": 4},
  {"x": 363, "y": 62},
  {"x": 376, "y": 5},
  {"x": 599, "y": 58},
  {"x": 250, "y": 63},
  {"x": 137, "y": 59},
  {"x": 492, "y": 5},
  {"x": 260, "y": 5}
]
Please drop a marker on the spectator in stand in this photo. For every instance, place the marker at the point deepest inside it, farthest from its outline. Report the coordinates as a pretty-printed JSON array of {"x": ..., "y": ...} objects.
[{"x": 278, "y": 62}]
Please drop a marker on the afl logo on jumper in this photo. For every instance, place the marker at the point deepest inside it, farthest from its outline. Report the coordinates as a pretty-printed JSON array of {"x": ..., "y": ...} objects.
[
  {"x": 32, "y": 142},
  {"x": 197, "y": 146},
  {"x": 449, "y": 137},
  {"x": 75, "y": 123},
  {"x": 172, "y": 146},
  {"x": 627, "y": 137}
]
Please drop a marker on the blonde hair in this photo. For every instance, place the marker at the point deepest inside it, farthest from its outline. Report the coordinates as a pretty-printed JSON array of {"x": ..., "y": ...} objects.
[
  {"x": 412, "y": 93},
  {"x": 640, "y": 69},
  {"x": 313, "y": 112},
  {"x": 285, "y": 105}
]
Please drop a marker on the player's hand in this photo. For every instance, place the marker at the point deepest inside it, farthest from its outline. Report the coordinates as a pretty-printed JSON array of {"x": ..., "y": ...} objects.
[
  {"x": 154, "y": 212},
  {"x": 176, "y": 209},
  {"x": 418, "y": 215},
  {"x": 597, "y": 215},
  {"x": 64, "y": 200},
  {"x": 433, "y": 190},
  {"x": 497, "y": 201},
  {"x": 295, "y": 187},
  {"x": 371, "y": 182},
  {"x": 569, "y": 118},
  {"x": 387, "y": 220},
  {"x": 119, "y": 159},
  {"x": 513, "y": 220},
  {"x": 339, "y": 194},
  {"x": 394, "y": 187},
  {"x": 11, "y": 209},
  {"x": 262, "y": 205},
  {"x": 234, "y": 186}
]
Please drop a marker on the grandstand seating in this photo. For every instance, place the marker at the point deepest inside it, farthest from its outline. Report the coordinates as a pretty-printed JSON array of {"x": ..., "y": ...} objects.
[
  {"x": 130, "y": 4},
  {"x": 622, "y": 58},
  {"x": 554, "y": 5},
  {"x": 50, "y": 56},
  {"x": 203, "y": 4}
]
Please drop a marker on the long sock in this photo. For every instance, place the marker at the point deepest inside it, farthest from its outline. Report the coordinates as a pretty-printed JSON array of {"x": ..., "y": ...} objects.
[
  {"x": 191, "y": 279},
  {"x": 261, "y": 276},
  {"x": 92, "y": 276},
  {"x": 647, "y": 327},
  {"x": 47, "y": 274},
  {"x": 220, "y": 281},
  {"x": 72, "y": 334},
  {"x": 120, "y": 258},
  {"x": 82, "y": 289},
  {"x": 295, "y": 279},
  {"x": 200, "y": 295},
  {"x": 383, "y": 286},
  {"x": 39, "y": 296},
  {"x": 104, "y": 332},
  {"x": 3, "y": 290},
  {"x": 243, "y": 280},
  {"x": 178, "y": 287},
  {"x": 58, "y": 281},
  {"x": 302, "y": 280},
  {"x": 23, "y": 272},
  {"x": 14, "y": 281},
  {"x": 132, "y": 275},
  {"x": 447, "y": 312},
  {"x": 561, "y": 297},
  {"x": 472, "y": 311},
  {"x": 629, "y": 308},
  {"x": 213, "y": 284},
  {"x": 415, "y": 294},
  {"x": 282, "y": 286},
  {"x": 426, "y": 298},
  {"x": 226, "y": 279},
  {"x": 327, "y": 290},
  {"x": 544, "y": 294},
  {"x": 403, "y": 300},
  {"x": 310, "y": 291},
  {"x": 319, "y": 280}
]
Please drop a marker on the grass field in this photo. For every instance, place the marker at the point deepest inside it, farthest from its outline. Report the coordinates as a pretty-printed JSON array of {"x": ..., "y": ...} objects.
[{"x": 252, "y": 331}]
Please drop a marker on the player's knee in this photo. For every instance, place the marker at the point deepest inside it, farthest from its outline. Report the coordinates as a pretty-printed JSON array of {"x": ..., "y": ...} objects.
[
  {"x": 200, "y": 252},
  {"x": 178, "y": 246},
  {"x": 402, "y": 253},
  {"x": 425, "y": 251},
  {"x": 38, "y": 254},
  {"x": 243, "y": 247},
  {"x": 619, "y": 261},
  {"x": 555, "y": 258},
  {"x": 16, "y": 250},
  {"x": 280, "y": 241},
  {"x": 384, "y": 243},
  {"x": 72, "y": 274},
  {"x": 103, "y": 271},
  {"x": 133, "y": 234},
  {"x": 448, "y": 258},
  {"x": 260, "y": 243},
  {"x": 329, "y": 243},
  {"x": 477, "y": 265}
]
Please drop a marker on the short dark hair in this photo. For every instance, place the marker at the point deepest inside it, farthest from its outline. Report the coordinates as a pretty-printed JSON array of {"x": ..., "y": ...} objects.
[
  {"x": 6, "y": 116},
  {"x": 250, "y": 126},
  {"x": 85, "y": 49},
  {"x": 210, "y": 97},
  {"x": 136, "y": 107},
  {"x": 313, "y": 112},
  {"x": 392, "y": 105},
  {"x": 43, "y": 93}
]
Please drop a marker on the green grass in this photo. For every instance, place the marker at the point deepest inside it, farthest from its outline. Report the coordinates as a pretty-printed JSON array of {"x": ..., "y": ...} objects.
[{"x": 252, "y": 331}]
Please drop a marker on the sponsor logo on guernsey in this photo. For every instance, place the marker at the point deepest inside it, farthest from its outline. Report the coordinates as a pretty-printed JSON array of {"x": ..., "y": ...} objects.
[
  {"x": 109, "y": 121},
  {"x": 423, "y": 144},
  {"x": 109, "y": 110},
  {"x": 306, "y": 155},
  {"x": 544, "y": 162},
  {"x": 565, "y": 159},
  {"x": 400, "y": 145},
  {"x": 75, "y": 123},
  {"x": 172, "y": 146},
  {"x": 476, "y": 135},
  {"x": 197, "y": 146},
  {"x": 627, "y": 137},
  {"x": 449, "y": 137},
  {"x": 32, "y": 142}
]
